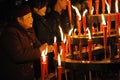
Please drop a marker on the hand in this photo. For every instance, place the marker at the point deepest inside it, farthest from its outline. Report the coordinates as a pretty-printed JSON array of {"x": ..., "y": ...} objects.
[
  {"x": 50, "y": 48},
  {"x": 43, "y": 47}
]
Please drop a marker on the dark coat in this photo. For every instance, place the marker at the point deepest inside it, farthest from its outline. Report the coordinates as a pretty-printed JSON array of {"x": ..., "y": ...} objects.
[
  {"x": 44, "y": 34},
  {"x": 19, "y": 48},
  {"x": 42, "y": 29}
]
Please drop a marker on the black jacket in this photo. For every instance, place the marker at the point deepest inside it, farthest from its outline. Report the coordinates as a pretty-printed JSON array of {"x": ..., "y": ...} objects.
[
  {"x": 19, "y": 48},
  {"x": 42, "y": 29}
]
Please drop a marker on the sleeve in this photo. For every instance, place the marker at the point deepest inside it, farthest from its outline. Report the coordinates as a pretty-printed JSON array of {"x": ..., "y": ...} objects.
[{"x": 19, "y": 48}]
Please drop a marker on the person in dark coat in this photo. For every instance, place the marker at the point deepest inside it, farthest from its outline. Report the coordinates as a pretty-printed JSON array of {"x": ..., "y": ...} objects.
[
  {"x": 43, "y": 32},
  {"x": 19, "y": 47}
]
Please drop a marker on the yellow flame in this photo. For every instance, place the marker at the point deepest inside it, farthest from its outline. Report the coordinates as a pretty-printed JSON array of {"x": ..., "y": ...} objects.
[
  {"x": 61, "y": 32},
  {"x": 55, "y": 39},
  {"x": 119, "y": 31},
  {"x": 108, "y": 6},
  {"x": 46, "y": 50},
  {"x": 59, "y": 60},
  {"x": 77, "y": 11},
  {"x": 92, "y": 10},
  {"x": 61, "y": 52},
  {"x": 75, "y": 30},
  {"x": 85, "y": 12},
  {"x": 116, "y": 6},
  {"x": 89, "y": 34},
  {"x": 70, "y": 32},
  {"x": 43, "y": 55},
  {"x": 103, "y": 20},
  {"x": 64, "y": 40}
]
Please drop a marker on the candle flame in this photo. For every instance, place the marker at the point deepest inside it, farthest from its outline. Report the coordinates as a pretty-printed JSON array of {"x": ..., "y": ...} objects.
[
  {"x": 77, "y": 11},
  {"x": 89, "y": 34},
  {"x": 85, "y": 12},
  {"x": 55, "y": 39},
  {"x": 61, "y": 52},
  {"x": 46, "y": 50},
  {"x": 64, "y": 40},
  {"x": 70, "y": 32},
  {"x": 108, "y": 6},
  {"x": 116, "y": 6},
  {"x": 75, "y": 30},
  {"x": 59, "y": 60},
  {"x": 61, "y": 32},
  {"x": 43, "y": 56},
  {"x": 103, "y": 20},
  {"x": 92, "y": 10},
  {"x": 119, "y": 31}
]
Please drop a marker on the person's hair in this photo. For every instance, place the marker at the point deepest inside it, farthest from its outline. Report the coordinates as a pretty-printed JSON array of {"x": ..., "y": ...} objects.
[{"x": 38, "y": 3}]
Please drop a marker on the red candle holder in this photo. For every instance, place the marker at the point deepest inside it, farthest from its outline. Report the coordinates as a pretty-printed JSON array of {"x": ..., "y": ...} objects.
[
  {"x": 69, "y": 10},
  {"x": 89, "y": 49},
  {"x": 109, "y": 24},
  {"x": 84, "y": 23},
  {"x": 59, "y": 72},
  {"x": 97, "y": 6},
  {"x": 63, "y": 50},
  {"x": 90, "y": 6},
  {"x": 103, "y": 6},
  {"x": 105, "y": 40}
]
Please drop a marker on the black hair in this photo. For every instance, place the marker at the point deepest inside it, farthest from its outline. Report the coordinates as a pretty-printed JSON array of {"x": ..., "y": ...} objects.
[{"x": 38, "y": 3}]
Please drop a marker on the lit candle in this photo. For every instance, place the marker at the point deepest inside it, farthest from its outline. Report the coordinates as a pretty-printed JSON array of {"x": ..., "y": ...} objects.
[
  {"x": 84, "y": 21},
  {"x": 62, "y": 43},
  {"x": 105, "y": 39},
  {"x": 109, "y": 2},
  {"x": 89, "y": 45},
  {"x": 43, "y": 65},
  {"x": 59, "y": 69},
  {"x": 109, "y": 18},
  {"x": 97, "y": 6},
  {"x": 103, "y": 6},
  {"x": 90, "y": 6},
  {"x": 55, "y": 48},
  {"x": 117, "y": 16},
  {"x": 69, "y": 40},
  {"x": 69, "y": 10},
  {"x": 78, "y": 20},
  {"x": 104, "y": 34}
]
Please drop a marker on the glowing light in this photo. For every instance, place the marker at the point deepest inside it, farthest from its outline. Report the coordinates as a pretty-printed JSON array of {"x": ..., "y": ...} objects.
[
  {"x": 85, "y": 12},
  {"x": 92, "y": 10},
  {"x": 70, "y": 32},
  {"x": 55, "y": 39},
  {"x": 108, "y": 6},
  {"x": 59, "y": 60},
  {"x": 77, "y": 12},
  {"x": 116, "y": 6},
  {"x": 89, "y": 34},
  {"x": 103, "y": 20},
  {"x": 43, "y": 55}
]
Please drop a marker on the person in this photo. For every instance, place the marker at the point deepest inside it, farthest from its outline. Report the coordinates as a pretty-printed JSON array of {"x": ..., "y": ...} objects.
[
  {"x": 19, "y": 47},
  {"x": 58, "y": 16},
  {"x": 43, "y": 32}
]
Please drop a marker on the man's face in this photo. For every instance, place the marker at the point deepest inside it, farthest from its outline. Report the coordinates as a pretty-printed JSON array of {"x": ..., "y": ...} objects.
[{"x": 26, "y": 21}]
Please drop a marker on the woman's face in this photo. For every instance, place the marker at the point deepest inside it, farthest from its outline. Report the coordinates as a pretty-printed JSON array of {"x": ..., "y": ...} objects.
[{"x": 26, "y": 21}]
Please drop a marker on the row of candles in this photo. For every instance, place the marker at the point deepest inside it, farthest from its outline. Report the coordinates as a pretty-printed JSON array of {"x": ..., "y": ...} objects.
[
  {"x": 44, "y": 65},
  {"x": 81, "y": 20},
  {"x": 66, "y": 42}
]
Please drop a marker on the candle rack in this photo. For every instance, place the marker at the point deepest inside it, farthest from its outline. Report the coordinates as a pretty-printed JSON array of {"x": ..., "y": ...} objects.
[{"x": 98, "y": 41}]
